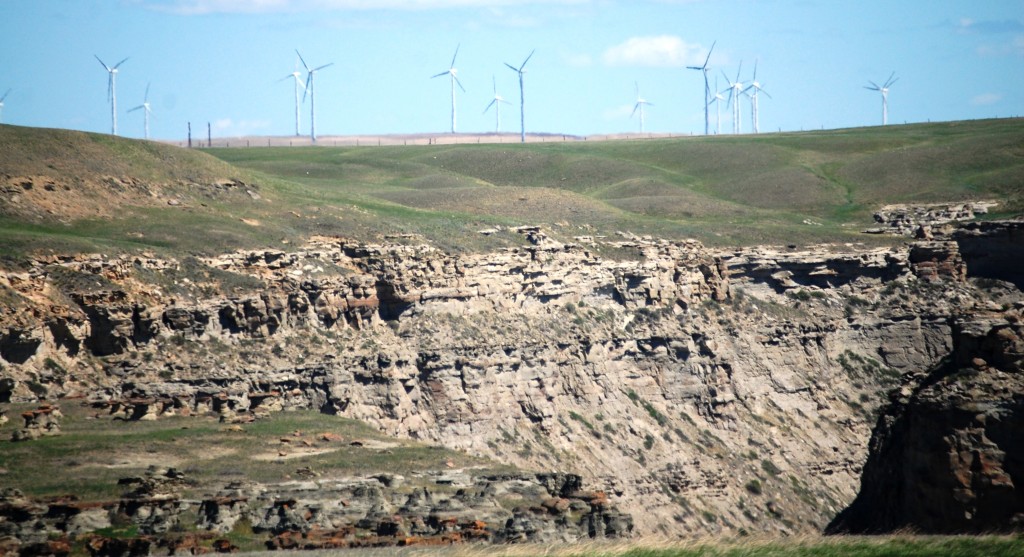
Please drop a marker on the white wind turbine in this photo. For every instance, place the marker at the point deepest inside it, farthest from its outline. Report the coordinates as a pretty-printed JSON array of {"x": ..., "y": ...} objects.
[
  {"x": 756, "y": 86},
  {"x": 112, "y": 91},
  {"x": 312, "y": 97},
  {"x": 294, "y": 76},
  {"x": 2, "y": 105},
  {"x": 884, "y": 89},
  {"x": 453, "y": 73},
  {"x": 707, "y": 90},
  {"x": 639, "y": 106},
  {"x": 522, "y": 99},
  {"x": 496, "y": 103},
  {"x": 717, "y": 100},
  {"x": 735, "y": 90},
  {"x": 146, "y": 111}
]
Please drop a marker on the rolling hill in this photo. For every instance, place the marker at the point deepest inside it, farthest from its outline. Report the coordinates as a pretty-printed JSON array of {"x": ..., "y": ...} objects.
[{"x": 99, "y": 192}]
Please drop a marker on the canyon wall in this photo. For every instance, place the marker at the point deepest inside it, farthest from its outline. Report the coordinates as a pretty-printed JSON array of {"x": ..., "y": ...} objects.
[{"x": 704, "y": 391}]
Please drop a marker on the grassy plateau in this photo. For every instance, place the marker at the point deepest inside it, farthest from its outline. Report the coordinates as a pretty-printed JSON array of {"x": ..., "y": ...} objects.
[{"x": 806, "y": 187}]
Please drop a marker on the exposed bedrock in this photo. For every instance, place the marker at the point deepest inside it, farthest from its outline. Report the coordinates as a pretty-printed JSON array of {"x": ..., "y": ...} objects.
[
  {"x": 702, "y": 391},
  {"x": 947, "y": 454}
]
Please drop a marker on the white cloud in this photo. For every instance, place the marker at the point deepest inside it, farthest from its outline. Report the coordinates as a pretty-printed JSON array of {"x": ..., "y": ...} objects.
[
  {"x": 229, "y": 127},
  {"x": 200, "y": 7},
  {"x": 986, "y": 99},
  {"x": 660, "y": 51}
]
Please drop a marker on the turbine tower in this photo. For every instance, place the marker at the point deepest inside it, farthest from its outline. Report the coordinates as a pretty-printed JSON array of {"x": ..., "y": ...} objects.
[
  {"x": 639, "y": 106},
  {"x": 717, "y": 100},
  {"x": 707, "y": 89},
  {"x": 312, "y": 97},
  {"x": 496, "y": 103},
  {"x": 298, "y": 83},
  {"x": 112, "y": 91},
  {"x": 735, "y": 90},
  {"x": 2, "y": 105},
  {"x": 146, "y": 111},
  {"x": 522, "y": 100},
  {"x": 453, "y": 73},
  {"x": 884, "y": 89},
  {"x": 756, "y": 86}
]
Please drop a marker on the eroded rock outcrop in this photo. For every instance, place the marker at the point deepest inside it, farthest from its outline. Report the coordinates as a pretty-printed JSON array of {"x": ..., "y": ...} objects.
[
  {"x": 700, "y": 391},
  {"x": 947, "y": 454}
]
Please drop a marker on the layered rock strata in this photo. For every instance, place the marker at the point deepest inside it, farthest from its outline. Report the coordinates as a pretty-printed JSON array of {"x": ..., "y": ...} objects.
[
  {"x": 947, "y": 454},
  {"x": 702, "y": 391}
]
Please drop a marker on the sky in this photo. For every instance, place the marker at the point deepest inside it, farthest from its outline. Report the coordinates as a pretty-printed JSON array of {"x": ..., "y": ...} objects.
[{"x": 227, "y": 62}]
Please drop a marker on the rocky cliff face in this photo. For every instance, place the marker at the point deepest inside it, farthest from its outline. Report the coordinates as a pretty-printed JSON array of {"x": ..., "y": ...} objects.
[
  {"x": 703, "y": 391},
  {"x": 947, "y": 455}
]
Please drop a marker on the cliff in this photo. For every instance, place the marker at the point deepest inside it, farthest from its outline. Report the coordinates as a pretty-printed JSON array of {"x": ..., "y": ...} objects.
[
  {"x": 946, "y": 455},
  {"x": 702, "y": 390}
]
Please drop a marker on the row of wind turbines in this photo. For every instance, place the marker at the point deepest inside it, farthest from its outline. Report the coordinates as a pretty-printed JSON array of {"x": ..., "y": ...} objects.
[{"x": 736, "y": 89}]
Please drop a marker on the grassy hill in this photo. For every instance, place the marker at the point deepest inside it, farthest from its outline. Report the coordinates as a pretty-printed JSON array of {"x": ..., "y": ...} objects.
[{"x": 721, "y": 190}]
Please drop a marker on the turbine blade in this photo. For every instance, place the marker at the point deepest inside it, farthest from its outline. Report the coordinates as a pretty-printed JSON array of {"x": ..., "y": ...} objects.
[
  {"x": 309, "y": 80},
  {"x": 527, "y": 59},
  {"x": 440, "y": 74},
  {"x": 765, "y": 92},
  {"x": 489, "y": 105},
  {"x": 302, "y": 60},
  {"x": 136, "y": 108},
  {"x": 459, "y": 83},
  {"x": 738, "y": 72},
  {"x": 5, "y": 96},
  {"x": 145, "y": 97},
  {"x": 455, "y": 55},
  {"x": 105, "y": 66},
  {"x": 321, "y": 67},
  {"x": 119, "y": 63},
  {"x": 511, "y": 67},
  {"x": 873, "y": 86},
  {"x": 889, "y": 81},
  {"x": 755, "y": 70},
  {"x": 710, "y": 50},
  {"x": 890, "y": 84}
]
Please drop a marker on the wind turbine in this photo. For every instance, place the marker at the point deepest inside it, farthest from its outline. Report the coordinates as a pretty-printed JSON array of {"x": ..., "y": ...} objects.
[
  {"x": 298, "y": 83},
  {"x": 522, "y": 100},
  {"x": 2, "y": 104},
  {"x": 146, "y": 111},
  {"x": 639, "y": 106},
  {"x": 717, "y": 100},
  {"x": 753, "y": 97},
  {"x": 453, "y": 73},
  {"x": 735, "y": 90},
  {"x": 496, "y": 103},
  {"x": 884, "y": 89},
  {"x": 707, "y": 89},
  {"x": 112, "y": 91},
  {"x": 312, "y": 97}
]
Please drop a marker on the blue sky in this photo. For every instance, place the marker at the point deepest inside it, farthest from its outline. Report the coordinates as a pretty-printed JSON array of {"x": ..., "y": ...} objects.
[{"x": 221, "y": 61}]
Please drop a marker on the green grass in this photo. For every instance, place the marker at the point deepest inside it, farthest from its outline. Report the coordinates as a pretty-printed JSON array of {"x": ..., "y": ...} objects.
[
  {"x": 93, "y": 453},
  {"x": 721, "y": 190}
]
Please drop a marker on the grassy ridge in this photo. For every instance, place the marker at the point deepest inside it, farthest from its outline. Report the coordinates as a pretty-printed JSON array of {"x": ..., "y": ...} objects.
[
  {"x": 771, "y": 188},
  {"x": 722, "y": 190}
]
